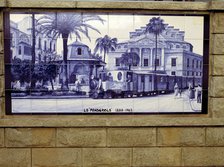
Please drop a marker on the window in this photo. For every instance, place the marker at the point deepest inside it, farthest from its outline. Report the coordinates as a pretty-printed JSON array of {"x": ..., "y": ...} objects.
[
  {"x": 157, "y": 62},
  {"x": 79, "y": 51},
  {"x": 173, "y": 62},
  {"x": 196, "y": 63},
  {"x": 45, "y": 45},
  {"x": 188, "y": 62},
  {"x": 27, "y": 50},
  {"x": 20, "y": 50},
  {"x": 117, "y": 62},
  {"x": 192, "y": 63},
  {"x": 173, "y": 73},
  {"x": 39, "y": 43},
  {"x": 50, "y": 45},
  {"x": 146, "y": 62}
]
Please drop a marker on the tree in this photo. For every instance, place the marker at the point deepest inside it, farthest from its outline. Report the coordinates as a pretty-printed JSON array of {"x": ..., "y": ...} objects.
[
  {"x": 64, "y": 25},
  {"x": 130, "y": 59},
  {"x": 51, "y": 72},
  {"x": 155, "y": 26},
  {"x": 104, "y": 44},
  {"x": 20, "y": 70}
]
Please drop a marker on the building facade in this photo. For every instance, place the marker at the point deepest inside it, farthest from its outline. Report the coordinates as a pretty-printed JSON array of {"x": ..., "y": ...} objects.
[
  {"x": 175, "y": 56},
  {"x": 81, "y": 65},
  {"x": 22, "y": 41}
]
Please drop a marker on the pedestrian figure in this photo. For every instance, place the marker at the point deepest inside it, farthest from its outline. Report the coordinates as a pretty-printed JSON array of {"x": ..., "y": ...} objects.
[
  {"x": 198, "y": 93},
  {"x": 110, "y": 77},
  {"x": 176, "y": 90},
  {"x": 77, "y": 85},
  {"x": 191, "y": 92},
  {"x": 93, "y": 83}
]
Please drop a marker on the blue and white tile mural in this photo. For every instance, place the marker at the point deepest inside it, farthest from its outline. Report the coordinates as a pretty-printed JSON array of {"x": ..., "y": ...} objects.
[{"x": 106, "y": 63}]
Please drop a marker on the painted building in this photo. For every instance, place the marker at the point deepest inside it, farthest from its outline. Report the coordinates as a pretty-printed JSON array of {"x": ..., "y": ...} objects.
[
  {"x": 81, "y": 65},
  {"x": 175, "y": 56},
  {"x": 21, "y": 41}
]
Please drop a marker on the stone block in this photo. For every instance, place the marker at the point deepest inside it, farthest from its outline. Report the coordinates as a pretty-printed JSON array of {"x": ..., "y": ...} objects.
[
  {"x": 2, "y": 64},
  {"x": 156, "y": 156},
  {"x": 140, "y": 5},
  {"x": 2, "y": 137},
  {"x": 181, "y": 136},
  {"x": 42, "y": 3},
  {"x": 217, "y": 87},
  {"x": 61, "y": 157},
  {"x": 1, "y": 42},
  {"x": 30, "y": 137},
  {"x": 2, "y": 85},
  {"x": 81, "y": 137},
  {"x": 218, "y": 66},
  {"x": 215, "y": 136},
  {"x": 2, "y": 106},
  {"x": 216, "y": 5},
  {"x": 2, "y": 3},
  {"x": 217, "y": 107},
  {"x": 1, "y": 20},
  {"x": 218, "y": 24},
  {"x": 107, "y": 157},
  {"x": 131, "y": 137},
  {"x": 202, "y": 156},
  {"x": 15, "y": 157},
  {"x": 218, "y": 43}
]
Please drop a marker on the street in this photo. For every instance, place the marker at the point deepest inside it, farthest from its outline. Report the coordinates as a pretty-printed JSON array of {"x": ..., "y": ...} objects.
[{"x": 160, "y": 103}]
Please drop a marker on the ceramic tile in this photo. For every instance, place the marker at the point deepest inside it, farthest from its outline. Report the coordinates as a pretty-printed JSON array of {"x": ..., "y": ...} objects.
[{"x": 132, "y": 61}]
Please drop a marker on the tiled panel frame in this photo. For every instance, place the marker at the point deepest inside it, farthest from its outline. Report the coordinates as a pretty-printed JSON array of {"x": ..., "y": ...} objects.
[{"x": 214, "y": 116}]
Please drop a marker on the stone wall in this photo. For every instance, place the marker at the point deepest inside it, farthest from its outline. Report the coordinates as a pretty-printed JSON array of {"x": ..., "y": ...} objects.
[{"x": 119, "y": 140}]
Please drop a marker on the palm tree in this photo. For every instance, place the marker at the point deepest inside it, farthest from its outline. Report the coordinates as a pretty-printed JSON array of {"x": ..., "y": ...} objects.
[
  {"x": 129, "y": 59},
  {"x": 104, "y": 44},
  {"x": 155, "y": 26},
  {"x": 64, "y": 25}
]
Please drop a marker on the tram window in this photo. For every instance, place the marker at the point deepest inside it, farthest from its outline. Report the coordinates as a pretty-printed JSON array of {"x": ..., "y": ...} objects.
[
  {"x": 146, "y": 62},
  {"x": 79, "y": 51},
  {"x": 142, "y": 78},
  {"x": 119, "y": 76},
  {"x": 173, "y": 62},
  {"x": 129, "y": 77},
  {"x": 150, "y": 78}
]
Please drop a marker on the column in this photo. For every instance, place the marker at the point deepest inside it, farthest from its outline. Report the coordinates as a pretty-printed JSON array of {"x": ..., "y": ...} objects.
[
  {"x": 140, "y": 55},
  {"x": 151, "y": 59},
  {"x": 162, "y": 58}
]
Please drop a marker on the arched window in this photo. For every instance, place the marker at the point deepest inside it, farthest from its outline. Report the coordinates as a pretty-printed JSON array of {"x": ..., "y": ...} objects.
[
  {"x": 39, "y": 43},
  {"x": 45, "y": 45},
  {"x": 79, "y": 51},
  {"x": 51, "y": 46}
]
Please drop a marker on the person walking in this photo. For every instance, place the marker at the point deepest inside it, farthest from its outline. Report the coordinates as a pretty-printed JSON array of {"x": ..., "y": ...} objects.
[
  {"x": 198, "y": 93},
  {"x": 176, "y": 90}
]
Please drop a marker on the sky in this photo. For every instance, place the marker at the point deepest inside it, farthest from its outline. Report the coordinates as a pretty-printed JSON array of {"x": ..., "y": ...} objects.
[{"x": 119, "y": 25}]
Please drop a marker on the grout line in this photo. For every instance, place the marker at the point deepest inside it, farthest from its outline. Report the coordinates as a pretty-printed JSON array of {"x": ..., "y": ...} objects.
[
  {"x": 4, "y": 139},
  {"x": 181, "y": 157},
  {"x": 31, "y": 156},
  {"x": 106, "y": 137},
  {"x": 205, "y": 137},
  {"x": 156, "y": 136}
]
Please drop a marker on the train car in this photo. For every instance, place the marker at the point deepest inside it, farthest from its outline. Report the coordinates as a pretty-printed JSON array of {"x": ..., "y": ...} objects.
[{"x": 125, "y": 83}]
